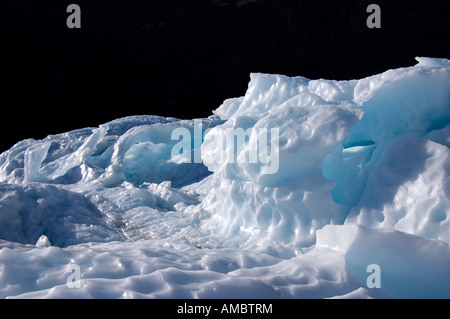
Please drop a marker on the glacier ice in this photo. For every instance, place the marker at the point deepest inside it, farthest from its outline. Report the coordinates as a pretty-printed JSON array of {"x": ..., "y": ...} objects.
[{"x": 362, "y": 179}]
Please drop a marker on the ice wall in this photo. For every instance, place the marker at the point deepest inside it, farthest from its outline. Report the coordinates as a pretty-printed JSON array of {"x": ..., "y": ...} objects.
[{"x": 372, "y": 151}]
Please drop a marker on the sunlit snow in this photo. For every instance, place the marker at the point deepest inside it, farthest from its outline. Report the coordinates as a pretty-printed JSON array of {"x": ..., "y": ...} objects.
[{"x": 362, "y": 179}]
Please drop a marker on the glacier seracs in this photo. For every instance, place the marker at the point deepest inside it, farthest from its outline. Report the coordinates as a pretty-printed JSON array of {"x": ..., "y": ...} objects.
[{"x": 363, "y": 179}]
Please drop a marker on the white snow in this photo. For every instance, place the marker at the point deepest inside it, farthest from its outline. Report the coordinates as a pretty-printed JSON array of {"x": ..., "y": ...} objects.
[{"x": 362, "y": 179}]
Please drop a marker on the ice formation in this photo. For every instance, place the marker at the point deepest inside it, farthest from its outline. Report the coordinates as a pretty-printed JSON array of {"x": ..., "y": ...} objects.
[{"x": 362, "y": 179}]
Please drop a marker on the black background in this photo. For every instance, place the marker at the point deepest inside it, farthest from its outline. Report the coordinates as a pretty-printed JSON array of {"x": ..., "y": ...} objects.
[{"x": 183, "y": 58}]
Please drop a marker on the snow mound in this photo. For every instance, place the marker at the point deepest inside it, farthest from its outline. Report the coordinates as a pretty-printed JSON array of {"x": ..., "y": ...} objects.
[
  {"x": 410, "y": 266},
  {"x": 299, "y": 189}
]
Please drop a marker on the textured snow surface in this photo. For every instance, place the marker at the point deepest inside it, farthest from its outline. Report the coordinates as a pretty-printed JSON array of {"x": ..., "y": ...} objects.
[{"x": 362, "y": 179}]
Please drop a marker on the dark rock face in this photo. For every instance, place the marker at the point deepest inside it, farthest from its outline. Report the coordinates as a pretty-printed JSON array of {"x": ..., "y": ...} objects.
[{"x": 183, "y": 58}]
